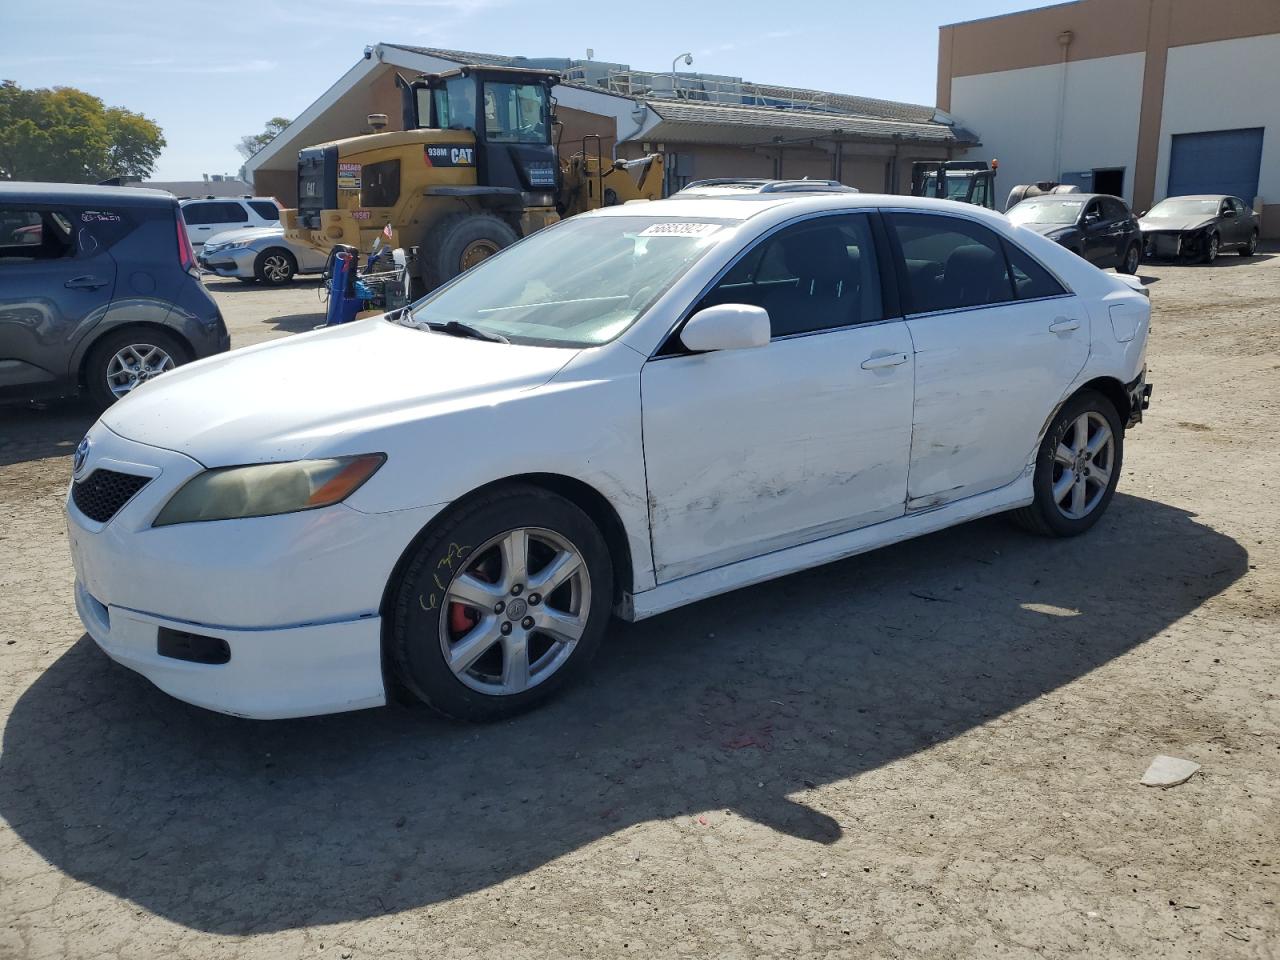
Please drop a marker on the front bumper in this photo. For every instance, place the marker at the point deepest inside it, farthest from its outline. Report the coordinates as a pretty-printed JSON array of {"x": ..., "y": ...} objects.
[
  {"x": 295, "y": 598},
  {"x": 228, "y": 263},
  {"x": 1172, "y": 244}
]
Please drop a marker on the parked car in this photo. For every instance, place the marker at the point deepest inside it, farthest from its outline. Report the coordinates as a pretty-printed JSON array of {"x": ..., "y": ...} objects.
[
  {"x": 1199, "y": 227},
  {"x": 99, "y": 291},
  {"x": 1100, "y": 228},
  {"x": 205, "y": 218},
  {"x": 629, "y": 411},
  {"x": 260, "y": 254}
]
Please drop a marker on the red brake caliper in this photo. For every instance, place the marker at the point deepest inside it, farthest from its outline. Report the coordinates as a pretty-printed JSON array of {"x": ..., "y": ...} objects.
[{"x": 461, "y": 619}]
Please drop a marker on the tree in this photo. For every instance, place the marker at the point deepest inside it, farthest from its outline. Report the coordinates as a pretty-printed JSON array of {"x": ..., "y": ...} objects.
[
  {"x": 252, "y": 143},
  {"x": 64, "y": 134}
]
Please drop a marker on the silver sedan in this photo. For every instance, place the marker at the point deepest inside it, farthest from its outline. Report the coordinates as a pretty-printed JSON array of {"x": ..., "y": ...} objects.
[{"x": 258, "y": 254}]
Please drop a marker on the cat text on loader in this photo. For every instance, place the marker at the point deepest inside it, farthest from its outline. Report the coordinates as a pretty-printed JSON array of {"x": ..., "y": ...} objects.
[{"x": 474, "y": 169}]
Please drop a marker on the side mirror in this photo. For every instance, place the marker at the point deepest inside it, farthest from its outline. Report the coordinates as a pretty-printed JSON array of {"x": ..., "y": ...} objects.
[
  {"x": 1229, "y": 212},
  {"x": 726, "y": 326}
]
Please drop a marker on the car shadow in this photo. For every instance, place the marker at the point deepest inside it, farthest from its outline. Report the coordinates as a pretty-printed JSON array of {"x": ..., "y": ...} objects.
[
  {"x": 36, "y": 430},
  {"x": 231, "y": 285},
  {"x": 738, "y": 703},
  {"x": 1228, "y": 258},
  {"x": 297, "y": 322}
]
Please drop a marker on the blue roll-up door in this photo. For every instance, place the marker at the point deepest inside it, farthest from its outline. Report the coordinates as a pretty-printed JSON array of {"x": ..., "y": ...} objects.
[{"x": 1222, "y": 161}]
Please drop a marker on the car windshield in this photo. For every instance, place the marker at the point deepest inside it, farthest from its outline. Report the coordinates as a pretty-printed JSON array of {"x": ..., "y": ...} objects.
[
  {"x": 577, "y": 284},
  {"x": 1185, "y": 207},
  {"x": 1046, "y": 210}
]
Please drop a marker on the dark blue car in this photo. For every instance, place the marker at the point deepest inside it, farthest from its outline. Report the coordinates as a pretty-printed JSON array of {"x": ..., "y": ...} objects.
[{"x": 99, "y": 291}]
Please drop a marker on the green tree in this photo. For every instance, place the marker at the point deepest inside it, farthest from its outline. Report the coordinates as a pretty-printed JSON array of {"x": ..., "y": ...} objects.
[
  {"x": 66, "y": 135},
  {"x": 252, "y": 143}
]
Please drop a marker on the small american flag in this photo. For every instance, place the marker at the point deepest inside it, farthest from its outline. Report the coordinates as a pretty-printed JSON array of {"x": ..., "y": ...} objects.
[{"x": 386, "y": 231}]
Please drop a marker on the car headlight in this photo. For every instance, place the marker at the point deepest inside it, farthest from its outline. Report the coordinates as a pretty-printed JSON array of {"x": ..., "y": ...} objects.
[{"x": 268, "y": 489}]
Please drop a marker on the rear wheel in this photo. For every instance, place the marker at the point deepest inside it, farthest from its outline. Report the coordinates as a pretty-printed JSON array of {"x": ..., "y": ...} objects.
[
  {"x": 505, "y": 601},
  {"x": 1250, "y": 248},
  {"x": 1132, "y": 257},
  {"x": 460, "y": 242},
  {"x": 123, "y": 360},
  {"x": 275, "y": 266},
  {"x": 1077, "y": 468}
]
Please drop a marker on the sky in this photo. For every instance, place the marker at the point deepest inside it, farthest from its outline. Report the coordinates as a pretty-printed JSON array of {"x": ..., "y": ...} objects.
[{"x": 209, "y": 73}]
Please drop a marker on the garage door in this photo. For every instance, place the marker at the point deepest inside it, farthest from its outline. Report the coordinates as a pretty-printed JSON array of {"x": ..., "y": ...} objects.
[{"x": 1223, "y": 161}]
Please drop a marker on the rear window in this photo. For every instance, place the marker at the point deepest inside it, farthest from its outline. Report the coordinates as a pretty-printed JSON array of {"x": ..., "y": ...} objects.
[{"x": 265, "y": 209}]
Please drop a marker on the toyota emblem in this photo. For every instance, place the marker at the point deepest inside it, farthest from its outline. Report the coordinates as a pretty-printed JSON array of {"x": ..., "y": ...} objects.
[{"x": 81, "y": 455}]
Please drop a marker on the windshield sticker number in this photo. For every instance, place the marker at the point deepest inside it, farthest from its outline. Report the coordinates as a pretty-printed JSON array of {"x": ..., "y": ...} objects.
[{"x": 679, "y": 230}]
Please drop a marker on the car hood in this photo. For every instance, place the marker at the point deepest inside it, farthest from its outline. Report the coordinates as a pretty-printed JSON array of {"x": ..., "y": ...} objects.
[
  {"x": 309, "y": 394},
  {"x": 243, "y": 233},
  {"x": 1048, "y": 229},
  {"x": 1175, "y": 223}
]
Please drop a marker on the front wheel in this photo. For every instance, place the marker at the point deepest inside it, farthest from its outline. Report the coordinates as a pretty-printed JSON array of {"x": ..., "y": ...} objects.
[
  {"x": 1077, "y": 468},
  {"x": 504, "y": 602},
  {"x": 1211, "y": 248},
  {"x": 1132, "y": 257},
  {"x": 275, "y": 266}
]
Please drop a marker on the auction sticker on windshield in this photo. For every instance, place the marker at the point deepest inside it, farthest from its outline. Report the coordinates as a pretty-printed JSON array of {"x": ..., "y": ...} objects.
[{"x": 679, "y": 230}]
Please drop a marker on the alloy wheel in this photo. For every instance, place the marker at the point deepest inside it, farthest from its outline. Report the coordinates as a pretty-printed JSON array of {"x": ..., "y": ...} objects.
[
  {"x": 135, "y": 364},
  {"x": 1082, "y": 465},
  {"x": 276, "y": 268},
  {"x": 514, "y": 614},
  {"x": 1131, "y": 260}
]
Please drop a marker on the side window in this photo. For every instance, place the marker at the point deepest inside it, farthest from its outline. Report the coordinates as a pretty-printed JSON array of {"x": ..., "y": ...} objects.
[
  {"x": 1092, "y": 213},
  {"x": 380, "y": 184},
  {"x": 265, "y": 209},
  {"x": 35, "y": 235},
  {"x": 1030, "y": 280},
  {"x": 949, "y": 263},
  {"x": 229, "y": 212},
  {"x": 1114, "y": 210},
  {"x": 197, "y": 214},
  {"x": 816, "y": 275}
]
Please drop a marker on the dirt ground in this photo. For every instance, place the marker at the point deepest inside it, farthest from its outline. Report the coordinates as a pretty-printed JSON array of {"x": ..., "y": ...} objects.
[{"x": 932, "y": 751}]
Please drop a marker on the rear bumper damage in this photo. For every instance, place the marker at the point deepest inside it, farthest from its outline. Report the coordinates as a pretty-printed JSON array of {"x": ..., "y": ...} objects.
[{"x": 1139, "y": 393}]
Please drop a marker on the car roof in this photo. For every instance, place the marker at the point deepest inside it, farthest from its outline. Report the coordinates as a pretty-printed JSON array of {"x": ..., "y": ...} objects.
[
  {"x": 1203, "y": 196},
  {"x": 745, "y": 206},
  {"x": 19, "y": 191}
]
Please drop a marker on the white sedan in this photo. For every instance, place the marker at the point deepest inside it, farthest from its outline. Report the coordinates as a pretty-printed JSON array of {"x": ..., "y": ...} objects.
[{"x": 629, "y": 411}]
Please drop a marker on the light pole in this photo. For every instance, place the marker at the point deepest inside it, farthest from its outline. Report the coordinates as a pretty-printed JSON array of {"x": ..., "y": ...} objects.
[{"x": 688, "y": 61}]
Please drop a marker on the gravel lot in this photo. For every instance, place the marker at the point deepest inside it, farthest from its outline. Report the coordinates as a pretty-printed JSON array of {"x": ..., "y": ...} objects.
[{"x": 932, "y": 751}]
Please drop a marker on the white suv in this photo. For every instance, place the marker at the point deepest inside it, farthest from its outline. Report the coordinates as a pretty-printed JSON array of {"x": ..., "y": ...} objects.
[
  {"x": 209, "y": 217},
  {"x": 626, "y": 412}
]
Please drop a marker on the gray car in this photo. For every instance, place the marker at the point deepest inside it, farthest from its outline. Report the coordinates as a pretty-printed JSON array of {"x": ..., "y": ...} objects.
[
  {"x": 1199, "y": 228},
  {"x": 260, "y": 254},
  {"x": 99, "y": 291}
]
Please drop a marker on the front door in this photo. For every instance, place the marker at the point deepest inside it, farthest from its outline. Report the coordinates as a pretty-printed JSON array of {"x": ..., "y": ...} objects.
[
  {"x": 997, "y": 343},
  {"x": 751, "y": 451}
]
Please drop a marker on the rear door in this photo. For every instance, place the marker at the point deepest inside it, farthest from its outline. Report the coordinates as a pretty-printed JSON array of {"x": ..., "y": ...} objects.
[
  {"x": 207, "y": 218},
  {"x": 56, "y": 280},
  {"x": 997, "y": 342}
]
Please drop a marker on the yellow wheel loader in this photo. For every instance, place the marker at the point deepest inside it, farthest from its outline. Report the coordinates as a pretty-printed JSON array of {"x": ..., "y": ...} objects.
[{"x": 476, "y": 168}]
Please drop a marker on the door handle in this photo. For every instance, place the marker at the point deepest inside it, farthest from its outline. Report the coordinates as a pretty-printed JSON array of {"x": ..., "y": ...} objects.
[
  {"x": 880, "y": 363},
  {"x": 1064, "y": 325},
  {"x": 87, "y": 282}
]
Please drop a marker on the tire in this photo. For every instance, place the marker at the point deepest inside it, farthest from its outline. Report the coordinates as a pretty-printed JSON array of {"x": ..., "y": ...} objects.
[
  {"x": 275, "y": 266},
  {"x": 1211, "y": 246},
  {"x": 109, "y": 361},
  {"x": 1250, "y": 248},
  {"x": 459, "y": 242},
  {"x": 426, "y": 617},
  {"x": 1046, "y": 516},
  {"x": 1132, "y": 258}
]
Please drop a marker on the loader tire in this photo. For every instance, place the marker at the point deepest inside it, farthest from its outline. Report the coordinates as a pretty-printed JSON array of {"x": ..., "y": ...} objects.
[{"x": 460, "y": 242}]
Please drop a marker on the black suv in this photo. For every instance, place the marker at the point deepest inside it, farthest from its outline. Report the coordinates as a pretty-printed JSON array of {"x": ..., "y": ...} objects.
[
  {"x": 99, "y": 290},
  {"x": 1098, "y": 227}
]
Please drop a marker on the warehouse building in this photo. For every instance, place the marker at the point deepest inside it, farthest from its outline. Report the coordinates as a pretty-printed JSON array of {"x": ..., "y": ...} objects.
[
  {"x": 704, "y": 125},
  {"x": 1139, "y": 98}
]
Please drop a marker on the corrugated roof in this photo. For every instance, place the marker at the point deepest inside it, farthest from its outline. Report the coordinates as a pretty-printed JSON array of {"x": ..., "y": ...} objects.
[{"x": 691, "y": 121}]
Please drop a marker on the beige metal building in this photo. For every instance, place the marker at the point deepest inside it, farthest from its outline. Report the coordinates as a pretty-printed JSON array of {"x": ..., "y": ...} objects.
[
  {"x": 1140, "y": 98},
  {"x": 706, "y": 126}
]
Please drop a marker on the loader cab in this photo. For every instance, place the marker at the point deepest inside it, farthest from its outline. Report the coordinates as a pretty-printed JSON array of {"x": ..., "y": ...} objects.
[
  {"x": 966, "y": 181},
  {"x": 508, "y": 111}
]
